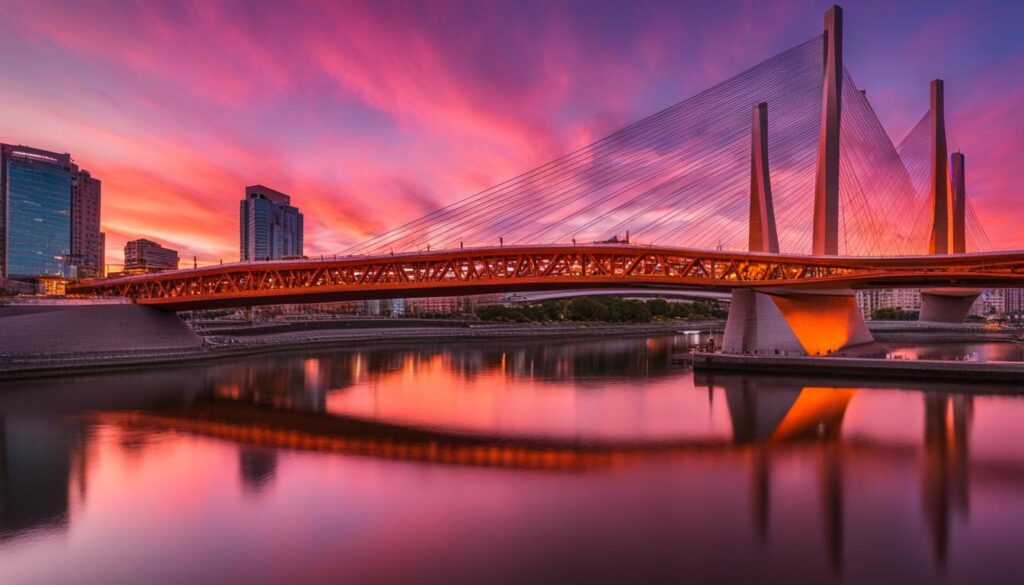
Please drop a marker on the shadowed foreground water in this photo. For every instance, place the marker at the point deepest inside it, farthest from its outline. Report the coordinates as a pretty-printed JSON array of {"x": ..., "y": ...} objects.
[{"x": 553, "y": 462}]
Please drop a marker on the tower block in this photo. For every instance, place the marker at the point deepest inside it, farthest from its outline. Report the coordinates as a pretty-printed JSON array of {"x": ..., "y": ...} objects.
[{"x": 826, "y": 185}]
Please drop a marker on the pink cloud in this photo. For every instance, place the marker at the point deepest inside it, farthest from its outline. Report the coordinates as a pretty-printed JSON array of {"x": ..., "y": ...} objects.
[{"x": 371, "y": 114}]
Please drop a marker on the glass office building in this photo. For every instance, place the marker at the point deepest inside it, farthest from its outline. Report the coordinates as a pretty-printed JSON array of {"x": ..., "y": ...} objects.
[
  {"x": 270, "y": 228},
  {"x": 35, "y": 212},
  {"x": 142, "y": 256}
]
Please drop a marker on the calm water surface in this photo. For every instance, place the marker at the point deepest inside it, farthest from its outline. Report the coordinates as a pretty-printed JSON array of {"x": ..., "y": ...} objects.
[{"x": 554, "y": 462}]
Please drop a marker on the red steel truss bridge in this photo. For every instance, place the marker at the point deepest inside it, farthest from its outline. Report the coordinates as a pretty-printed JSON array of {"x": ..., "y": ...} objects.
[
  {"x": 531, "y": 268},
  {"x": 709, "y": 193}
]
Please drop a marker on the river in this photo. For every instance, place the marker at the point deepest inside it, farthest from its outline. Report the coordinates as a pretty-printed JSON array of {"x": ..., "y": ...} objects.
[{"x": 596, "y": 461}]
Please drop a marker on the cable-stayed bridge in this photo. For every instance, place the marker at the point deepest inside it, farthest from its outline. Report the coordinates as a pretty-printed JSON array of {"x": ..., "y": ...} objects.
[{"x": 778, "y": 184}]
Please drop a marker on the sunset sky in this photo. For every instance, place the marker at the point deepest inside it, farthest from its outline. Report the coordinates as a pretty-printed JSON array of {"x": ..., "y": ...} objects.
[{"x": 370, "y": 114}]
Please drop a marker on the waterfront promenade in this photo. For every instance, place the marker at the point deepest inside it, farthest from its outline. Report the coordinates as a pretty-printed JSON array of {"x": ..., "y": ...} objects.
[{"x": 237, "y": 339}]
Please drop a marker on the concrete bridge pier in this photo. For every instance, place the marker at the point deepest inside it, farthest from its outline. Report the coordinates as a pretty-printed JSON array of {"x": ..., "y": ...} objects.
[
  {"x": 946, "y": 305},
  {"x": 796, "y": 323}
]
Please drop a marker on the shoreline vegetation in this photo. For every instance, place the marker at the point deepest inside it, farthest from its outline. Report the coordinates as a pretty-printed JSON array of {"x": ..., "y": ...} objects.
[{"x": 603, "y": 310}]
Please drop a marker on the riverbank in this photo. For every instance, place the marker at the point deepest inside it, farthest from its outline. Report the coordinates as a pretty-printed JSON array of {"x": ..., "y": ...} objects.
[
  {"x": 931, "y": 331},
  {"x": 939, "y": 370},
  {"x": 222, "y": 339},
  {"x": 242, "y": 339}
]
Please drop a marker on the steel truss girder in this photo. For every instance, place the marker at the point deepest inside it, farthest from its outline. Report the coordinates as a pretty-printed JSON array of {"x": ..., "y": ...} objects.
[{"x": 536, "y": 267}]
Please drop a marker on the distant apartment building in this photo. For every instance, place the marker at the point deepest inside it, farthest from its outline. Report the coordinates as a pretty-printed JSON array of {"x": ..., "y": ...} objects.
[
  {"x": 143, "y": 256},
  {"x": 49, "y": 215},
  {"x": 270, "y": 228},
  {"x": 384, "y": 307},
  {"x": 990, "y": 302},
  {"x": 996, "y": 301},
  {"x": 905, "y": 299},
  {"x": 1014, "y": 301}
]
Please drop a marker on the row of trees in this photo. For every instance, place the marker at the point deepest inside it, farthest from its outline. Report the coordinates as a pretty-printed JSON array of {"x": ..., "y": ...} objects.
[
  {"x": 893, "y": 314},
  {"x": 603, "y": 309}
]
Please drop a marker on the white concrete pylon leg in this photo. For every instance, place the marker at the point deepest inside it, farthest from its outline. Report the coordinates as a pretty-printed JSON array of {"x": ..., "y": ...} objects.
[{"x": 794, "y": 323}]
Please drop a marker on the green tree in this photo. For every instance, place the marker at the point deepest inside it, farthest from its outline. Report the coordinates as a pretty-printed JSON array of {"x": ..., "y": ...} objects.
[
  {"x": 586, "y": 309},
  {"x": 659, "y": 308},
  {"x": 553, "y": 310},
  {"x": 636, "y": 312}
]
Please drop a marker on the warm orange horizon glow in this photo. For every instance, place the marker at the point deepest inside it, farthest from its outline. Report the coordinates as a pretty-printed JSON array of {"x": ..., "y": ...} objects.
[{"x": 371, "y": 115}]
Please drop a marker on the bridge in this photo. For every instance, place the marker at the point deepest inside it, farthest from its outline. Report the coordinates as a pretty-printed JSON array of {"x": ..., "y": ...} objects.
[
  {"x": 553, "y": 267},
  {"x": 695, "y": 188}
]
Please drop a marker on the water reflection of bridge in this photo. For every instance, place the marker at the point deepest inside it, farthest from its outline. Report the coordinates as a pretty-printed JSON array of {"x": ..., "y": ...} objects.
[{"x": 264, "y": 408}]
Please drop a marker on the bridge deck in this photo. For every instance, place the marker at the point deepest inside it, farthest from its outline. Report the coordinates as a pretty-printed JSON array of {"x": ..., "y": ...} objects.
[{"x": 541, "y": 268}]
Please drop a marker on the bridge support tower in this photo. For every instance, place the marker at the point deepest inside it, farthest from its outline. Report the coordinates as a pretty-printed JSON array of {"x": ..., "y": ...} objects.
[
  {"x": 785, "y": 323},
  {"x": 959, "y": 203},
  {"x": 948, "y": 218},
  {"x": 763, "y": 235},
  {"x": 826, "y": 186},
  {"x": 939, "y": 240}
]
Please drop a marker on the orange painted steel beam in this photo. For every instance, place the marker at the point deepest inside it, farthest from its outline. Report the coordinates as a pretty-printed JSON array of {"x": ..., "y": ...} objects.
[{"x": 537, "y": 268}]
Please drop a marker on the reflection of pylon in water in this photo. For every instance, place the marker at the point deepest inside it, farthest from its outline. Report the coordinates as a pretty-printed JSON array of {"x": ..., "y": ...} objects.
[
  {"x": 945, "y": 466},
  {"x": 774, "y": 416},
  {"x": 817, "y": 412}
]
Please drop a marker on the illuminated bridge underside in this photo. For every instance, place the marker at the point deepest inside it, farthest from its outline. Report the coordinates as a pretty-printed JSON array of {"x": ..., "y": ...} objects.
[{"x": 539, "y": 268}]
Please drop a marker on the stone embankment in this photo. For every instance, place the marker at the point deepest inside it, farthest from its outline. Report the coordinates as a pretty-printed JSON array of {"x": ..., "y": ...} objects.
[
  {"x": 221, "y": 340},
  {"x": 858, "y": 368}
]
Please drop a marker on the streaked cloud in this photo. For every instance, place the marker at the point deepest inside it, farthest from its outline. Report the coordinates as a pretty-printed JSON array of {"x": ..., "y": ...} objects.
[{"x": 372, "y": 113}]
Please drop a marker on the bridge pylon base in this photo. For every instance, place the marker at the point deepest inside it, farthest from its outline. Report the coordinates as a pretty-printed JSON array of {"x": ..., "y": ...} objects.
[
  {"x": 796, "y": 323},
  {"x": 942, "y": 305}
]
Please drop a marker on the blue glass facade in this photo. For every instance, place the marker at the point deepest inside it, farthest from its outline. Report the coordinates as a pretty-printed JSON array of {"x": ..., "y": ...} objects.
[
  {"x": 37, "y": 218},
  {"x": 270, "y": 228}
]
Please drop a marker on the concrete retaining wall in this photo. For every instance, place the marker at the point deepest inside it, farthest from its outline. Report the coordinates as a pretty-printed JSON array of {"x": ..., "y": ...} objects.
[
  {"x": 78, "y": 329},
  {"x": 858, "y": 368}
]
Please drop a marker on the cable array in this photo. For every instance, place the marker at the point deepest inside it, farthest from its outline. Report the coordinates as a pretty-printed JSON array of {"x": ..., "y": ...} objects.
[
  {"x": 681, "y": 177},
  {"x": 915, "y": 151}
]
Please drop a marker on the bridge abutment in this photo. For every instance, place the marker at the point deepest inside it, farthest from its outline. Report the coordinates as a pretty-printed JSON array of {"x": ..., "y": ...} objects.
[
  {"x": 91, "y": 329},
  {"x": 795, "y": 323}
]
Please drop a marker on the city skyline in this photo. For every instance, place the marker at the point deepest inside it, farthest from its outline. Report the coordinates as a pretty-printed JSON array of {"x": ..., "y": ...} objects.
[{"x": 399, "y": 114}]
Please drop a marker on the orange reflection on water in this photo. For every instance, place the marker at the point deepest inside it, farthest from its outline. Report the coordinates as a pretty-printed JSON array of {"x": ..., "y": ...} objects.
[
  {"x": 816, "y": 411},
  {"x": 433, "y": 391}
]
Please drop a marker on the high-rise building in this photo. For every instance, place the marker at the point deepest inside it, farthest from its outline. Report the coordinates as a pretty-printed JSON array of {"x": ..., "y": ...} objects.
[
  {"x": 142, "y": 256},
  {"x": 49, "y": 215},
  {"x": 270, "y": 228},
  {"x": 35, "y": 212},
  {"x": 904, "y": 299},
  {"x": 86, "y": 251}
]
